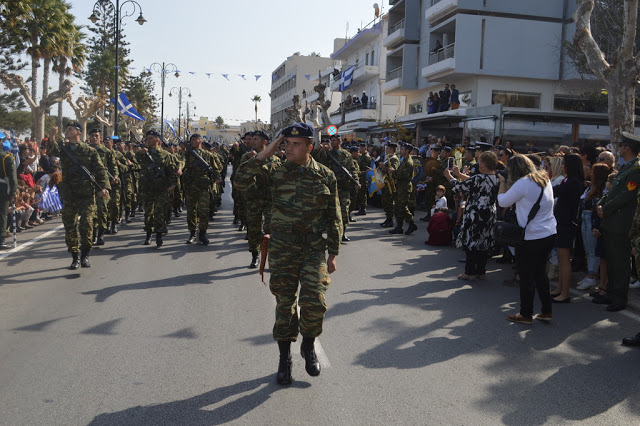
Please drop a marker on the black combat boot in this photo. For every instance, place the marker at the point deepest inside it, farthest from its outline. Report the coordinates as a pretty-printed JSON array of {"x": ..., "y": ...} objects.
[
  {"x": 114, "y": 228},
  {"x": 387, "y": 223},
  {"x": 344, "y": 235},
  {"x": 94, "y": 240},
  {"x": 284, "y": 366},
  {"x": 242, "y": 227},
  {"x": 235, "y": 220},
  {"x": 398, "y": 228},
  {"x": 192, "y": 237},
  {"x": 140, "y": 208},
  {"x": 351, "y": 219},
  {"x": 361, "y": 212},
  {"x": 254, "y": 260},
  {"x": 127, "y": 215},
  {"x": 168, "y": 220},
  {"x": 147, "y": 240},
  {"x": 202, "y": 237},
  {"x": 176, "y": 213},
  {"x": 84, "y": 259},
  {"x": 100, "y": 237},
  {"x": 159, "y": 239},
  {"x": 108, "y": 229},
  {"x": 412, "y": 227},
  {"x": 75, "y": 264},
  {"x": 308, "y": 352}
]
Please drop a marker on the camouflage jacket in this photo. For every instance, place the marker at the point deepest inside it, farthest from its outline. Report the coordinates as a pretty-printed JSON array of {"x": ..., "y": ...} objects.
[
  {"x": 259, "y": 188},
  {"x": 619, "y": 205},
  {"x": 121, "y": 163},
  {"x": 75, "y": 183},
  {"x": 157, "y": 173},
  {"x": 305, "y": 199},
  {"x": 195, "y": 173},
  {"x": 364, "y": 163},
  {"x": 108, "y": 159},
  {"x": 404, "y": 173},
  {"x": 345, "y": 159}
]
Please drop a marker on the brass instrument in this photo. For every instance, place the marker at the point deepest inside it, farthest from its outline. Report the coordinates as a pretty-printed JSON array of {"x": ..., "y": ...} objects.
[
  {"x": 457, "y": 154},
  {"x": 431, "y": 165}
]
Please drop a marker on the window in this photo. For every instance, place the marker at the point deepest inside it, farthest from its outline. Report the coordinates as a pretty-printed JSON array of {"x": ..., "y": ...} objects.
[
  {"x": 595, "y": 103},
  {"x": 366, "y": 60},
  {"x": 373, "y": 55},
  {"x": 415, "y": 108},
  {"x": 516, "y": 99}
]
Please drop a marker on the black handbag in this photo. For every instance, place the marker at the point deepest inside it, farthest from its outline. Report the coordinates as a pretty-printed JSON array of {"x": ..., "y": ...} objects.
[{"x": 512, "y": 234}]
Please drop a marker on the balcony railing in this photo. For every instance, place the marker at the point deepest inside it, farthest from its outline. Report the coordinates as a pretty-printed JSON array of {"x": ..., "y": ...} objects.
[
  {"x": 354, "y": 107},
  {"x": 395, "y": 27},
  {"x": 393, "y": 74},
  {"x": 441, "y": 54},
  {"x": 434, "y": 2}
]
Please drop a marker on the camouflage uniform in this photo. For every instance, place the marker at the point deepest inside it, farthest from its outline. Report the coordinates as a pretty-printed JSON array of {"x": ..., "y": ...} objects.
[
  {"x": 197, "y": 184},
  {"x": 388, "y": 195},
  {"x": 179, "y": 191},
  {"x": 305, "y": 205},
  {"x": 78, "y": 193},
  {"x": 404, "y": 187},
  {"x": 115, "y": 210},
  {"x": 155, "y": 182},
  {"x": 128, "y": 184},
  {"x": 344, "y": 183},
  {"x": 258, "y": 201},
  {"x": 353, "y": 198},
  {"x": 238, "y": 198},
  {"x": 8, "y": 188},
  {"x": 364, "y": 165},
  {"x": 102, "y": 210}
]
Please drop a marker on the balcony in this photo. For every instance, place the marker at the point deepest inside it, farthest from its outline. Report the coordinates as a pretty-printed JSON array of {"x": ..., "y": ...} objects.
[
  {"x": 404, "y": 24},
  {"x": 358, "y": 112},
  {"x": 440, "y": 9},
  {"x": 441, "y": 63},
  {"x": 357, "y": 42},
  {"x": 360, "y": 74},
  {"x": 395, "y": 35}
]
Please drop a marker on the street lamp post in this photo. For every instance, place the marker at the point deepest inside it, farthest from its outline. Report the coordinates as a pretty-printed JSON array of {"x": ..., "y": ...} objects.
[
  {"x": 163, "y": 69},
  {"x": 188, "y": 105},
  {"x": 179, "y": 91},
  {"x": 108, "y": 6}
]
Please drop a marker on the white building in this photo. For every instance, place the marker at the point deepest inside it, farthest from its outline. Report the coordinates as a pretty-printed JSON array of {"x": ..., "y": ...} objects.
[{"x": 292, "y": 77}]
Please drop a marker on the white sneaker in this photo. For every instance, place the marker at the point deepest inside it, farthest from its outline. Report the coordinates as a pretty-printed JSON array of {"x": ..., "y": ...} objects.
[
  {"x": 586, "y": 283},
  {"x": 635, "y": 284}
]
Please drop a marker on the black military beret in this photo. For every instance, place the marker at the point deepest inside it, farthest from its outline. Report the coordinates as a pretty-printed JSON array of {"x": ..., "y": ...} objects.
[
  {"x": 195, "y": 135},
  {"x": 94, "y": 130},
  {"x": 392, "y": 144},
  {"x": 630, "y": 138},
  {"x": 409, "y": 147},
  {"x": 153, "y": 133},
  {"x": 246, "y": 134},
  {"x": 436, "y": 148},
  {"x": 298, "y": 130},
  {"x": 483, "y": 146},
  {"x": 207, "y": 144},
  {"x": 354, "y": 149},
  {"x": 363, "y": 144},
  {"x": 447, "y": 148},
  {"x": 337, "y": 135},
  {"x": 74, "y": 124},
  {"x": 261, "y": 134}
]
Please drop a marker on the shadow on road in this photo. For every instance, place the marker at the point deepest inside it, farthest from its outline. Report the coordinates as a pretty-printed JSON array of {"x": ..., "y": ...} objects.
[{"x": 192, "y": 411}]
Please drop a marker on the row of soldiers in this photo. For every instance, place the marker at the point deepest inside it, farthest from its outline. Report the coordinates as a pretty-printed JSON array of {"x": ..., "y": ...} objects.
[{"x": 99, "y": 182}]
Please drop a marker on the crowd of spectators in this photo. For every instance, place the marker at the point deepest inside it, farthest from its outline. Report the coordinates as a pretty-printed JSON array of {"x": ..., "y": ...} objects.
[{"x": 443, "y": 100}]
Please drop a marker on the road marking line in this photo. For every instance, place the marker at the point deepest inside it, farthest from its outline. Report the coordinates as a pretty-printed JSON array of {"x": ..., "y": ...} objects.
[{"x": 27, "y": 244}]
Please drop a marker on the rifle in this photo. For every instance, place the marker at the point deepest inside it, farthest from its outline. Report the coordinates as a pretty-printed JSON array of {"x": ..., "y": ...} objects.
[
  {"x": 201, "y": 160},
  {"x": 156, "y": 168},
  {"x": 342, "y": 168},
  {"x": 78, "y": 164}
]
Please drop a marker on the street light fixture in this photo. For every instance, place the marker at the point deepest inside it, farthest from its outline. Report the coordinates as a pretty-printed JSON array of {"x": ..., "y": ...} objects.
[
  {"x": 188, "y": 105},
  {"x": 163, "y": 69},
  {"x": 107, "y": 6},
  {"x": 180, "y": 91}
]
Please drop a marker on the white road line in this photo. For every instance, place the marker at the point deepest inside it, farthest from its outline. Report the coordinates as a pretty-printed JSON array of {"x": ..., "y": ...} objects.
[{"x": 27, "y": 244}]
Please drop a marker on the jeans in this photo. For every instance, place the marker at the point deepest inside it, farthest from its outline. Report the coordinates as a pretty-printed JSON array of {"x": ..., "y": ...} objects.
[
  {"x": 531, "y": 261},
  {"x": 589, "y": 241}
]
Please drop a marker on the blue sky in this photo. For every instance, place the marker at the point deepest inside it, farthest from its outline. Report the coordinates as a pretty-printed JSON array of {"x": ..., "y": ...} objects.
[{"x": 233, "y": 37}]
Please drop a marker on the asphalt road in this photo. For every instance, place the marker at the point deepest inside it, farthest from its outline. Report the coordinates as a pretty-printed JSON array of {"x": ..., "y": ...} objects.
[{"x": 182, "y": 335}]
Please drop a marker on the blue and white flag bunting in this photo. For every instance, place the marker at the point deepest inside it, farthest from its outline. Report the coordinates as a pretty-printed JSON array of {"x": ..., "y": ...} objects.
[
  {"x": 170, "y": 126},
  {"x": 126, "y": 108},
  {"x": 347, "y": 78}
]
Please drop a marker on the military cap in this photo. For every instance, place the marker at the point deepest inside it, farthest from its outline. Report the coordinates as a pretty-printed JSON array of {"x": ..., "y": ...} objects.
[
  {"x": 362, "y": 144},
  {"x": 354, "y": 149},
  {"x": 472, "y": 149},
  {"x": 500, "y": 147},
  {"x": 195, "y": 135},
  {"x": 261, "y": 134},
  {"x": 153, "y": 133},
  {"x": 94, "y": 130},
  {"x": 409, "y": 147},
  {"x": 436, "y": 148},
  {"x": 74, "y": 124},
  {"x": 447, "y": 148},
  {"x": 115, "y": 139},
  {"x": 483, "y": 146},
  {"x": 630, "y": 138},
  {"x": 207, "y": 144},
  {"x": 298, "y": 130},
  {"x": 246, "y": 134},
  {"x": 392, "y": 144},
  {"x": 337, "y": 135}
]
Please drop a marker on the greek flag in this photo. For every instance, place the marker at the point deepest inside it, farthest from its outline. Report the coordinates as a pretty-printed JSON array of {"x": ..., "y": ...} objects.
[
  {"x": 170, "y": 126},
  {"x": 125, "y": 108},
  {"x": 347, "y": 78},
  {"x": 51, "y": 200}
]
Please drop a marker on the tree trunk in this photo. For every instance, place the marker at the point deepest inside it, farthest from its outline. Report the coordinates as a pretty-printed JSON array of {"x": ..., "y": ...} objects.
[
  {"x": 622, "y": 104},
  {"x": 61, "y": 67},
  {"x": 35, "y": 63},
  {"x": 38, "y": 124}
]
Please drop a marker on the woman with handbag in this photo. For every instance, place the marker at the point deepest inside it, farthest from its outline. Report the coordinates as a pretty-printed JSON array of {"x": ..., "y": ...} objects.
[{"x": 530, "y": 190}]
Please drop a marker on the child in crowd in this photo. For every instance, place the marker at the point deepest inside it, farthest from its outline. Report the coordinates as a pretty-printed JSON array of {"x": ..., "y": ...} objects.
[
  {"x": 440, "y": 228},
  {"x": 441, "y": 200}
]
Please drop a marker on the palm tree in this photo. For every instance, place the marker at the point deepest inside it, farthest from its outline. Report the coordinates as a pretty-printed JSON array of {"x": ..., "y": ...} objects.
[
  {"x": 256, "y": 99},
  {"x": 74, "y": 52}
]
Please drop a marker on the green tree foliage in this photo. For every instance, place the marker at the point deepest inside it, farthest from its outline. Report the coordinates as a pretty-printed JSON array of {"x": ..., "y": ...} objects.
[
  {"x": 139, "y": 90},
  {"x": 13, "y": 38}
]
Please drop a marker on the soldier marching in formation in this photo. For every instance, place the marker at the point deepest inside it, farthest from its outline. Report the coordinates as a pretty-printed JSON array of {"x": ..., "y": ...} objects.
[
  {"x": 364, "y": 165},
  {"x": 391, "y": 163},
  {"x": 8, "y": 187}
]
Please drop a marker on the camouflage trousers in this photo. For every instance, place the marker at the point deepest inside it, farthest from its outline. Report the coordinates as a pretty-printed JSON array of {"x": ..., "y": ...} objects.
[
  {"x": 198, "y": 206},
  {"x": 114, "y": 203},
  {"x": 401, "y": 203},
  {"x": 293, "y": 266},
  {"x": 387, "y": 203},
  {"x": 362, "y": 196},
  {"x": 238, "y": 204},
  {"x": 179, "y": 193},
  {"x": 155, "y": 210},
  {"x": 256, "y": 210},
  {"x": 78, "y": 233},
  {"x": 127, "y": 194},
  {"x": 345, "y": 201},
  {"x": 102, "y": 212}
]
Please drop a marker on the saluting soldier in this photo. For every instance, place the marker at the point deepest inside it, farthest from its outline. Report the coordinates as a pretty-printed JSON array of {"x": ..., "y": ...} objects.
[
  {"x": 333, "y": 158},
  {"x": 77, "y": 191},
  {"x": 197, "y": 180},
  {"x": 257, "y": 197},
  {"x": 305, "y": 206},
  {"x": 8, "y": 188},
  {"x": 403, "y": 175},
  {"x": 392, "y": 162},
  {"x": 617, "y": 210},
  {"x": 364, "y": 164},
  {"x": 158, "y": 179}
]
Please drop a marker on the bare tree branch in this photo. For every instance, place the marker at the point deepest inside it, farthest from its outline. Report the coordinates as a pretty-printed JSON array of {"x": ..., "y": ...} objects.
[{"x": 585, "y": 41}]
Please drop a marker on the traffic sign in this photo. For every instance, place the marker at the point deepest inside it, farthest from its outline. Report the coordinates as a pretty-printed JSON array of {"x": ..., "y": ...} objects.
[{"x": 331, "y": 130}]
